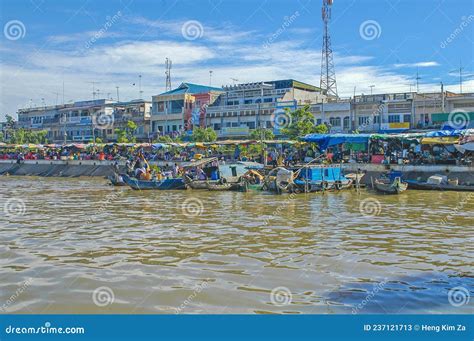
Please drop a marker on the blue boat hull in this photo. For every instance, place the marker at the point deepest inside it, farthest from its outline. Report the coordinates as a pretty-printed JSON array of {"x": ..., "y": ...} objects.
[{"x": 166, "y": 184}]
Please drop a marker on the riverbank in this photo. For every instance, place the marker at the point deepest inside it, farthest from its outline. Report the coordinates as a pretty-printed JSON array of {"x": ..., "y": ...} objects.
[{"x": 95, "y": 168}]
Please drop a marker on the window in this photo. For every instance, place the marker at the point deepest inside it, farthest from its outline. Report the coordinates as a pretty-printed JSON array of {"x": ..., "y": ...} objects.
[
  {"x": 406, "y": 118},
  {"x": 217, "y": 126},
  {"x": 161, "y": 106},
  {"x": 335, "y": 121},
  {"x": 346, "y": 122},
  {"x": 319, "y": 121},
  {"x": 376, "y": 119},
  {"x": 363, "y": 120},
  {"x": 251, "y": 125},
  {"x": 268, "y": 100},
  {"x": 248, "y": 101},
  {"x": 174, "y": 127},
  {"x": 235, "y": 124},
  {"x": 393, "y": 118},
  {"x": 109, "y": 131}
]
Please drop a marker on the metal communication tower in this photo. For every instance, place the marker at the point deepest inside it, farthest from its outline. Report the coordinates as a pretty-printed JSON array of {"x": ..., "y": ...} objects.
[
  {"x": 168, "y": 74},
  {"x": 328, "y": 74}
]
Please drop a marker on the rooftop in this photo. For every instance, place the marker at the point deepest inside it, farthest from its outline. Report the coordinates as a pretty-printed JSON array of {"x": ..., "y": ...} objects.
[{"x": 190, "y": 88}]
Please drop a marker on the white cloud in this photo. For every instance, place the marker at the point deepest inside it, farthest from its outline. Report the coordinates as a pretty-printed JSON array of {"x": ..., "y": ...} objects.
[{"x": 419, "y": 64}]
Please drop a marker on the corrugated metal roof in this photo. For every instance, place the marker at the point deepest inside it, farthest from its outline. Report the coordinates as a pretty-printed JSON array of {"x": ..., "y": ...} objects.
[{"x": 190, "y": 88}]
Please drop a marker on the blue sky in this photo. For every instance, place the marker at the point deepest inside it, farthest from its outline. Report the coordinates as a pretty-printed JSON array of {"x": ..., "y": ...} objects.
[{"x": 375, "y": 42}]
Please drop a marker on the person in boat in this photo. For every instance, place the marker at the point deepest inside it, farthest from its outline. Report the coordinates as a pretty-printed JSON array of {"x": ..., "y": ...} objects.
[{"x": 200, "y": 174}]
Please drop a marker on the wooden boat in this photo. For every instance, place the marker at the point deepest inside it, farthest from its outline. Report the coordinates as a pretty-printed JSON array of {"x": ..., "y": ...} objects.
[
  {"x": 165, "y": 184},
  {"x": 386, "y": 186},
  {"x": 315, "y": 178},
  {"x": 116, "y": 180},
  {"x": 220, "y": 186},
  {"x": 414, "y": 184}
]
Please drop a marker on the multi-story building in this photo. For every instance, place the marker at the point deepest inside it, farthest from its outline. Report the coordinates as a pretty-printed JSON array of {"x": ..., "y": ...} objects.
[
  {"x": 244, "y": 107},
  {"x": 86, "y": 120},
  {"x": 181, "y": 108},
  {"x": 336, "y": 114},
  {"x": 137, "y": 111}
]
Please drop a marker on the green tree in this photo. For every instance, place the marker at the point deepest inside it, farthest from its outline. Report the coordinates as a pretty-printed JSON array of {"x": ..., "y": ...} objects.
[
  {"x": 301, "y": 122},
  {"x": 259, "y": 133},
  {"x": 121, "y": 135},
  {"x": 131, "y": 129},
  {"x": 204, "y": 135},
  {"x": 23, "y": 136}
]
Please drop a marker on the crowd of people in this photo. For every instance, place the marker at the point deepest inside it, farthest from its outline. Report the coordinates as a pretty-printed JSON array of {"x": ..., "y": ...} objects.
[{"x": 378, "y": 151}]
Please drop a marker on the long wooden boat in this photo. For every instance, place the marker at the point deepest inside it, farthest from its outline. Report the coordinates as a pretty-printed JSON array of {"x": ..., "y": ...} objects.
[
  {"x": 165, "y": 184},
  {"x": 390, "y": 187},
  {"x": 414, "y": 184}
]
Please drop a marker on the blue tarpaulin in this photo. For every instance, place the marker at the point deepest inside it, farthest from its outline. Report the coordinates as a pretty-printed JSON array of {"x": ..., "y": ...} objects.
[
  {"x": 327, "y": 140},
  {"x": 445, "y": 133}
]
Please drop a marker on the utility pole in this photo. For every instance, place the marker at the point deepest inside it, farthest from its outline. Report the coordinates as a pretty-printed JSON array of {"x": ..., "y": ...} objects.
[
  {"x": 417, "y": 81},
  {"x": 118, "y": 98},
  {"x": 168, "y": 64},
  {"x": 93, "y": 90},
  {"x": 140, "y": 92},
  {"x": 371, "y": 87},
  {"x": 210, "y": 78},
  {"x": 442, "y": 96}
]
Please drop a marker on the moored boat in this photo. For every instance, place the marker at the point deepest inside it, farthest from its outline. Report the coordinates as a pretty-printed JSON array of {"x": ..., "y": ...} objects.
[
  {"x": 385, "y": 185},
  {"x": 424, "y": 185},
  {"x": 165, "y": 184}
]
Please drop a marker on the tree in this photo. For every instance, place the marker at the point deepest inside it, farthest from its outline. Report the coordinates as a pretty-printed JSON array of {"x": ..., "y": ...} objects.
[
  {"x": 23, "y": 136},
  {"x": 301, "y": 122},
  {"x": 121, "y": 135},
  {"x": 204, "y": 135},
  {"x": 127, "y": 134},
  {"x": 260, "y": 133}
]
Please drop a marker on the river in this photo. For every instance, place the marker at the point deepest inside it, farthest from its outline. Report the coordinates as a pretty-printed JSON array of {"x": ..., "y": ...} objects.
[{"x": 81, "y": 246}]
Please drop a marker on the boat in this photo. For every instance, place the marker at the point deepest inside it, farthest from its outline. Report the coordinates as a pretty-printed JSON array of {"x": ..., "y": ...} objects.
[
  {"x": 165, "y": 184},
  {"x": 209, "y": 167},
  {"x": 223, "y": 177},
  {"x": 385, "y": 185},
  {"x": 116, "y": 180},
  {"x": 252, "y": 180},
  {"x": 439, "y": 183},
  {"x": 308, "y": 178}
]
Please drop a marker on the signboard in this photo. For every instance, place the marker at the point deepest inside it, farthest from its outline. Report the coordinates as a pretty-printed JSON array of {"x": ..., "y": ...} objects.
[
  {"x": 235, "y": 131},
  {"x": 395, "y": 126}
]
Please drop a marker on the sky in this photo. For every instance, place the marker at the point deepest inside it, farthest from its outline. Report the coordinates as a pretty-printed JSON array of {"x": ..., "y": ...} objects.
[{"x": 379, "y": 43}]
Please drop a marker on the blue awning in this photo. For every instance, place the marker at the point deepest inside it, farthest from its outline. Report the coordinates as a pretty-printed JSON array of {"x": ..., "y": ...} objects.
[
  {"x": 327, "y": 140},
  {"x": 444, "y": 133}
]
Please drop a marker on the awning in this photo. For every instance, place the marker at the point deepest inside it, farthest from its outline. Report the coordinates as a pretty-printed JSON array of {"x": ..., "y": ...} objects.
[
  {"x": 327, "y": 140},
  {"x": 440, "y": 140}
]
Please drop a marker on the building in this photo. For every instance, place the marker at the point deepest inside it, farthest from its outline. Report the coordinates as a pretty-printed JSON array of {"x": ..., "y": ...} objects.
[
  {"x": 137, "y": 111},
  {"x": 181, "y": 108},
  {"x": 245, "y": 107},
  {"x": 84, "y": 121}
]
